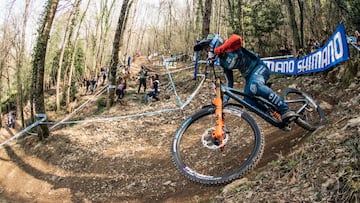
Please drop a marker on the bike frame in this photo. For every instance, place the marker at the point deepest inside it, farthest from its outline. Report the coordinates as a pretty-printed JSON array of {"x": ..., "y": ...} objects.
[{"x": 236, "y": 93}]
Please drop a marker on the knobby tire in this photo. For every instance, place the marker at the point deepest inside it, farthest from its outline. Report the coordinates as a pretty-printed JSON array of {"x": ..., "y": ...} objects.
[
  {"x": 217, "y": 166},
  {"x": 311, "y": 117}
]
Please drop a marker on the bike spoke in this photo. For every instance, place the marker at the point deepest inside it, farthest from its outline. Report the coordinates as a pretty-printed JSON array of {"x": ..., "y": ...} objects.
[
  {"x": 217, "y": 162},
  {"x": 311, "y": 115}
]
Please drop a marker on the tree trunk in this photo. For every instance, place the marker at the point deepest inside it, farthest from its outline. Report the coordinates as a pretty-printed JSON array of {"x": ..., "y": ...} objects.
[
  {"x": 116, "y": 47},
  {"x": 104, "y": 37},
  {"x": 61, "y": 59},
  {"x": 73, "y": 52},
  {"x": 188, "y": 27},
  {"x": 231, "y": 14},
  {"x": 293, "y": 24},
  {"x": 1, "y": 89},
  {"x": 39, "y": 62},
  {"x": 199, "y": 15},
  {"x": 239, "y": 16},
  {"x": 301, "y": 6},
  {"x": 317, "y": 19},
  {"x": 102, "y": 28},
  {"x": 206, "y": 18},
  {"x": 19, "y": 65},
  {"x": 129, "y": 33}
]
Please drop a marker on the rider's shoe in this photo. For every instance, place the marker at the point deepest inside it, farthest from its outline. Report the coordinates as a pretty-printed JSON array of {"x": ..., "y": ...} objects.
[{"x": 289, "y": 116}]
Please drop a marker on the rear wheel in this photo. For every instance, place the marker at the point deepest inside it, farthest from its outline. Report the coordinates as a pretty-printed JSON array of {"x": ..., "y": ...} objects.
[
  {"x": 311, "y": 115},
  {"x": 201, "y": 160}
]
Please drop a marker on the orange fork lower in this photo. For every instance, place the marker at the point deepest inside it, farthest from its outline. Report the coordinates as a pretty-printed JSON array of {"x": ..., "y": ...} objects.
[{"x": 218, "y": 133}]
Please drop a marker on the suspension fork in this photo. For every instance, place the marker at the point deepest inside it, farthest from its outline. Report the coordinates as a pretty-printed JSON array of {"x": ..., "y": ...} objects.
[{"x": 218, "y": 134}]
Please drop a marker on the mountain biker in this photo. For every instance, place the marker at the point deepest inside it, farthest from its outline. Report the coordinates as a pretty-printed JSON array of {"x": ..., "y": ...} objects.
[{"x": 233, "y": 56}]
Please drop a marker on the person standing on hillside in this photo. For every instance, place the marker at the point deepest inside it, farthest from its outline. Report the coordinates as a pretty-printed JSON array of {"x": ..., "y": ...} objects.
[
  {"x": 93, "y": 82},
  {"x": 11, "y": 119},
  {"x": 142, "y": 79},
  {"x": 154, "y": 92},
  {"x": 357, "y": 37},
  {"x": 87, "y": 85},
  {"x": 128, "y": 65},
  {"x": 120, "y": 90},
  {"x": 103, "y": 74}
]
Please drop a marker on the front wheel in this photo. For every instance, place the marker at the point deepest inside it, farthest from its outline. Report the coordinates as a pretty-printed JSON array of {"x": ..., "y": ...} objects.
[
  {"x": 202, "y": 161},
  {"x": 311, "y": 115}
]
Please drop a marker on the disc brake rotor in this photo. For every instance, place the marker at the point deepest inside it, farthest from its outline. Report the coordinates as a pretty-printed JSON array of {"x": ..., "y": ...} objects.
[{"x": 209, "y": 142}]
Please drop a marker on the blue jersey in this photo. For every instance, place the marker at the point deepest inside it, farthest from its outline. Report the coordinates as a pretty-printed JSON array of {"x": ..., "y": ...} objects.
[{"x": 241, "y": 59}]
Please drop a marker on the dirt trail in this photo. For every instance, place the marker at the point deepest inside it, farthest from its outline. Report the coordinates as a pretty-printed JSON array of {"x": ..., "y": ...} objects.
[
  {"x": 126, "y": 160},
  {"x": 119, "y": 171}
]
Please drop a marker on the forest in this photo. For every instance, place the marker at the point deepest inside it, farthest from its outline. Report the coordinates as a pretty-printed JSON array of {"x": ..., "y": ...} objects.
[
  {"x": 74, "y": 39},
  {"x": 49, "y": 49}
]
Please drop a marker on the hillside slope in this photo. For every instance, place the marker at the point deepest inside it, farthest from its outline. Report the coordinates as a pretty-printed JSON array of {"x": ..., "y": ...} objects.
[
  {"x": 327, "y": 167},
  {"x": 118, "y": 155}
]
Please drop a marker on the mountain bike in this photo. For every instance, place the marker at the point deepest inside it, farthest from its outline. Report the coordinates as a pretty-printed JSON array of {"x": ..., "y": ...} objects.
[{"x": 222, "y": 141}]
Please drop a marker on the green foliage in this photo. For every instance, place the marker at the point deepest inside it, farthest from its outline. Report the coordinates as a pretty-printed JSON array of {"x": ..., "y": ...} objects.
[
  {"x": 55, "y": 63},
  {"x": 352, "y": 10},
  {"x": 78, "y": 65},
  {"x": 101, "y": 104},
  {"x": 79, "y": 62},
  {"x": 263, "y": 20}
]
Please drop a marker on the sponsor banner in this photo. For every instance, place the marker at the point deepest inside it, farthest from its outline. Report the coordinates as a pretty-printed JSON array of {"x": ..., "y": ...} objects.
[{"x": 332, "y": 53}]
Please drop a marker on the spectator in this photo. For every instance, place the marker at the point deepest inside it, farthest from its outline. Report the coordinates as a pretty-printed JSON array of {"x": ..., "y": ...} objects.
[
  {"x": 128, "y": 64},
  {"x": 103, "y": 74},
  {"x": 120, "y": 90},
  {"x": 87, "y": 85},
  {"x": 357, "y": 36},
  {"x": 301, "y": 53},
  {"x": 282, "y": 50},
  {"x": 154, "y": 92},
  {"x": 314, "y": 44},
  {"x": 142, "y": 78},
  {"x": 288, "y": 49},
  {"x": 93, "y": 85},
  {"x": 11, "y": 119}
]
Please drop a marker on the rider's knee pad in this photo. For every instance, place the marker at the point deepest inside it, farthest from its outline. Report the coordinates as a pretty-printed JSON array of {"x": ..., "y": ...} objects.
[{"x": 255, "y": 86}]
